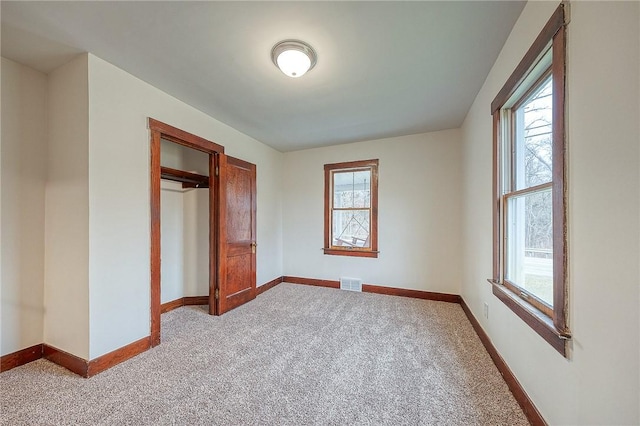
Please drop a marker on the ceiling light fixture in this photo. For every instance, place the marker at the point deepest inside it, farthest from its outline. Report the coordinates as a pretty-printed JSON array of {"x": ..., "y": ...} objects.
[{"x": 293, "y": 57}]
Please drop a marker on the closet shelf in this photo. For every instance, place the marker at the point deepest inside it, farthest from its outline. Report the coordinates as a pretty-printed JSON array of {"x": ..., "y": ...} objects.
[{"x": 188, "y": 180}]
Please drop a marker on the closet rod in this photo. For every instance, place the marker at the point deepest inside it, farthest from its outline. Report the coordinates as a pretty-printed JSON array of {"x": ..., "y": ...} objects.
[{"x": 188, "y": 180}]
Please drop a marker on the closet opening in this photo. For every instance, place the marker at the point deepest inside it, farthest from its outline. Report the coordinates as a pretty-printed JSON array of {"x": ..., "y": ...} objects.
[
  {"x": 184, "y": 226},
  {"x": 183, "y": 178}
]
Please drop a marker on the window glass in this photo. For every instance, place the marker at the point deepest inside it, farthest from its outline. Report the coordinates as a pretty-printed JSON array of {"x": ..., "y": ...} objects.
[
  {"x": 351, "y": 228},
  {"x": 352, "y": 189},
  {"x": 351, "y": 194},
  {"x": 529, "y": 255},
  {"x": 533, "y": 163}
]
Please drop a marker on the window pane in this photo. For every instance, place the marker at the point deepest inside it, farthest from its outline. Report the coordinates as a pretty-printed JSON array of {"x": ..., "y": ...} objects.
[
  {"x": 529, "y": 254},
  {"x": 351, "y": 228},
  {"x": 352, "y": 189},
  {"x": 533, "y": 138}
]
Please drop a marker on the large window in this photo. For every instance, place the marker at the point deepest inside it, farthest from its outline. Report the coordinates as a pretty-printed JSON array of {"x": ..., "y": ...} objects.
[
  {"x": 529, "y": 271},
  {"x": 351, "y": 208}
]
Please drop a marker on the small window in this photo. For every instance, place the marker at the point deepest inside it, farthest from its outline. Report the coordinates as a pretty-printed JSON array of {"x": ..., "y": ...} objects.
[
  {"x": 351, "y": 208},
  {"x": 529, "y": 266}
]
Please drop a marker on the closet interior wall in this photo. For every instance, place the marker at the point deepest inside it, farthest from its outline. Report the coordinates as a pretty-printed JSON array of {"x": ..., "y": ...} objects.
[{"x": 184, "y": 226}]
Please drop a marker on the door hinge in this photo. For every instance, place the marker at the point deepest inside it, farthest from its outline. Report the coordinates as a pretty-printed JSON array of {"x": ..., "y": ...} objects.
[
  {"x": 217, "y": 171},
  {"x": 217, "y": 294}
]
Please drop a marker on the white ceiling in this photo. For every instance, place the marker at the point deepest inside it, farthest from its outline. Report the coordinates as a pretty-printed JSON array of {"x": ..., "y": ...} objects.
[{"x": 384, "y": 68}]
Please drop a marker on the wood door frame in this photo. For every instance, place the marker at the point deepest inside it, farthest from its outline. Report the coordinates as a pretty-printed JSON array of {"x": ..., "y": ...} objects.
[{"x": 158, "y": 131}]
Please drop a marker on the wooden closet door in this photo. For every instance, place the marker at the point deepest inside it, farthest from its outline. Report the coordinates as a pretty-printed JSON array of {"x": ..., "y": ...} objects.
[{"x": 236, "y": 233}]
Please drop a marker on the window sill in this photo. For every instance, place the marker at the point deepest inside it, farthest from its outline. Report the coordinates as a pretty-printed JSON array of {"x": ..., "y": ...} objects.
[
  {"x": 350, "y": 252},
  {"x": 536, "y": 319}
]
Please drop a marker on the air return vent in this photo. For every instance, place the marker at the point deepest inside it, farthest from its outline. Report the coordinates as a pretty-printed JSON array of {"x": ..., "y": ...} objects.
[{"x": 351, "y": 284}]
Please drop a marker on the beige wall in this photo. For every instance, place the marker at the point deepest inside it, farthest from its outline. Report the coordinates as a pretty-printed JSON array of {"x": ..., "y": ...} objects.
[
  {"x": 66, "y": 289},
  {"x": 419, "y": 213},
  {"x": 172, "y": 154},
  {"x": 172, "y": 241},
  {"x": 599, "y": 383},
  {"x": 185, "y": 241},
  {"x": 23, "y": 175},
  {"x": 196, "y": 242},
  {"x": 194, "y": 230},
  {"x": 119, "y": 198}
]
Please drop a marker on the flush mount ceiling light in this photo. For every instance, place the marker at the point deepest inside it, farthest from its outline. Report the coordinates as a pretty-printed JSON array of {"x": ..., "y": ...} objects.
[{"x": 293, "y": 57}]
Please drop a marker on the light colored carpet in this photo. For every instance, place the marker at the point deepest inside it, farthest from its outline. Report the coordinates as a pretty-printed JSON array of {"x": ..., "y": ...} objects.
[{"x": 296, "y": 355}]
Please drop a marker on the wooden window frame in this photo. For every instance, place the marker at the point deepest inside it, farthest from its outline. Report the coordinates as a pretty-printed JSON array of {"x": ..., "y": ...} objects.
[
  {"x": 549, "y": 323},
  {"x": 328, "y": 248}
]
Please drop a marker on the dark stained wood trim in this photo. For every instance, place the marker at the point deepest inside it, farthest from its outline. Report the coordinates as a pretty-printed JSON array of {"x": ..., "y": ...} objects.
[
  {"x": 497, "y": 190},
  {"x": 214, "y": 233},
  {"x": 184, "y": 301},
  {"x": 184, "y": 138},
  {"x": 528, "y": 407},
  {"x": 268, "y": 286},
  {"x": 355, "y": 252},
  {"x": 64, "y": 359},
  {"x": 352, "y": 164},
  {"x": 73, "y": 363},
  {"x": 374, "y": 206},
  {"x": 220, "y": 301},
  {"x": 416, "y": 294},
  {"x": 196, "y": 300},
  {"x": 113, "y": 358},
  {"x": 254, "y": 227},
  {"x": 371, "y": 288},
  {"x": 188, "y": 179},
  {"x": 170, "y": 306},
  {"x": 536, "y": 319},
  {"x": 155, "y": 237},
  {"x": 311, "y": 281},
  {"x": 327, "y": 208},
  {"x": 542, "y": 41},
  {"x": 21, "y": 357},
  {"x": 528, "y": 297},
  {"x": 85, "y": 368},
  {"x": 559, "y": 187}
]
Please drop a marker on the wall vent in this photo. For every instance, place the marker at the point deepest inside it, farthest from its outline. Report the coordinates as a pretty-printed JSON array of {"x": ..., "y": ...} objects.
[{"x": 351, "y": 284}]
